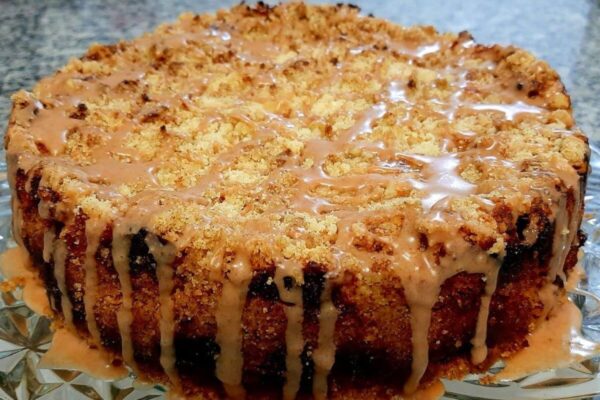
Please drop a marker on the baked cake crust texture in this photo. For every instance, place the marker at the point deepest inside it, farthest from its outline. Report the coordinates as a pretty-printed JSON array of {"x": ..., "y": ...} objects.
[{"x": 299, "y": 201}]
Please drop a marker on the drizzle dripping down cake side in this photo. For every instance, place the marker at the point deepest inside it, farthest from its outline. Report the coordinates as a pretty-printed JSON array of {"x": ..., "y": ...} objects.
[{"x": 299, "y": 201}]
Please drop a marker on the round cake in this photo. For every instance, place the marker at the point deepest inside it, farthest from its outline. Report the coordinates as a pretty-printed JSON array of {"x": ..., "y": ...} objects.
[{"x": 299, "y": 201}]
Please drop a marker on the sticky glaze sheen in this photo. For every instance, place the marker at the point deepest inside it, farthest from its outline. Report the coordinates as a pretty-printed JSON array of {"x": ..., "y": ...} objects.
[{"x": 328, "y": 173}]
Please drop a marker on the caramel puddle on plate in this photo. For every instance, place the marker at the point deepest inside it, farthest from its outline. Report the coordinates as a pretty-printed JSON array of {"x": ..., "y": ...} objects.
[
  {"x": 67, "y": 350},
  {"x": 556, "y": 343},
  {"x": 15, "y": 265}
]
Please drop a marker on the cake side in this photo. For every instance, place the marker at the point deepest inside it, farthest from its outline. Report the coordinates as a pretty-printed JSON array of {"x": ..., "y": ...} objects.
[
  {"x": 370, "y": 353},
  {"x": 300, "y": 196}
]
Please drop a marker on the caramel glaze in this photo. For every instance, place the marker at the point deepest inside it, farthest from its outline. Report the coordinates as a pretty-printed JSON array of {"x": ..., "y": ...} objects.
[{"x": 423, "y": 256}]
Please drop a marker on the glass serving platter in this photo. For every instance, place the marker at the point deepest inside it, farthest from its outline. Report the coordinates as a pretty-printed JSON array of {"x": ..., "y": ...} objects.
[{"x": 25, "y": 336}]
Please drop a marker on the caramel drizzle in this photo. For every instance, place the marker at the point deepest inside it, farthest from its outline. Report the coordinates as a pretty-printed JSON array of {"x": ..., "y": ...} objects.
[
  {"x": 510, "y": 110},
  {"x": 421, "y": 280},
  {"x": 422, "y": 286},
  {"x": 324, "y": 355},
  {"x": 47, "y": 254},
  {"x": 17, "y": 220},
  {"x": 121, "y": 245},
  {"x": 164, "y": 255},
  {"x": 479, "y": 351},
  {"x": 60, "y": 257},
  {"x": 230, "y": 308},
  {"x": 290, "y": 292},
  {"x": 566, "y": 224},
  {"x": 49, "y": 237},
  {"x": 421, "y": 296},
  {"x": 51, "y": 128},
  {"x": 561, "y": 241},
  {"x": 93, "y": 230}
]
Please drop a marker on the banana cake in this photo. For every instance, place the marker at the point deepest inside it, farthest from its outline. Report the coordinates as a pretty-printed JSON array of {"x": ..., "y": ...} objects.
[{"x": 299, "y": 201}]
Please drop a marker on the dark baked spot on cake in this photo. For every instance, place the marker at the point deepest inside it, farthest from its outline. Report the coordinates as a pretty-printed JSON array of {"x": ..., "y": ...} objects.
[
  {"x": 518, "y": 253},
  {"x": 28, "y": 199},
  {"x": 81, "y": 111},
  {"x": 196, "y": 361},
  {"x": 262, "y": 285},
  {"x": 313, "y": 285},
  {"x": 42, "y": 148},
  {"x": 100, "y": 52},
  {"x": 523, "y": 222},
  {"x": 140, "y": 259},
  {"x": 314, "y": 279},
  {"x": 153, "y": 114}
]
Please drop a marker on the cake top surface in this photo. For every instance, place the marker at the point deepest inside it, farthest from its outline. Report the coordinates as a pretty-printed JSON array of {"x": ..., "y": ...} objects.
[{"x": 312, "y": 122}]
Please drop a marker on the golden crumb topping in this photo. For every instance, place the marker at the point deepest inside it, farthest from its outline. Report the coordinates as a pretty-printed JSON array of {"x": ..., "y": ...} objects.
[{"x": 301, "y": 120}]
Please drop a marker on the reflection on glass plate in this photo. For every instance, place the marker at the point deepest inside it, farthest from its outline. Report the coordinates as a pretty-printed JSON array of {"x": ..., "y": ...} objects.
[{"x": 25, "y": 336}]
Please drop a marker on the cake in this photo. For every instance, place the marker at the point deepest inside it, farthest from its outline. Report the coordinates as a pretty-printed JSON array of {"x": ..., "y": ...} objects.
[{"x": 299, "y": 201}]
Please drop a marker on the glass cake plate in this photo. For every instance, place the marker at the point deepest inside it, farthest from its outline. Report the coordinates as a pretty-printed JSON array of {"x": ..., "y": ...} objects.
[{"x": 25, "y": 336}]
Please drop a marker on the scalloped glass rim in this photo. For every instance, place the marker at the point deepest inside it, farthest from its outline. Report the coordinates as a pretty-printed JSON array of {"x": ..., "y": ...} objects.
[{"x": 24, "y": 336}]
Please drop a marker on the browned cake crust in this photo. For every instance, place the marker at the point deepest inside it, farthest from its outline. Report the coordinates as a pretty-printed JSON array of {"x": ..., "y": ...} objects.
[{"x": 299, "y": 200}]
